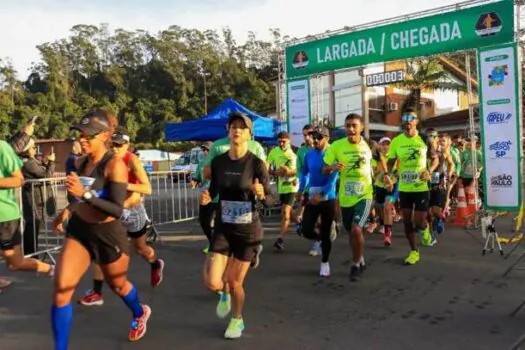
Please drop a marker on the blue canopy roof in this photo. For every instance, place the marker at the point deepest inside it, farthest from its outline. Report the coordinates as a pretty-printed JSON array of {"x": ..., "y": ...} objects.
[{"x": 213, "y": 126}]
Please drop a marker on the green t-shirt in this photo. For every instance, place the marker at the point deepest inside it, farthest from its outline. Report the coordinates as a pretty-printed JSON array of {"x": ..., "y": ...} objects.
[
  {"x": 278, "y": 158},
  {"x": 467, "y": 165},
  {"x": 456, "y": 158},
  {"x": 356, "y": 176},
  {"x": 301, "y": 153},
  {"x": 9, "y": 163},
  {"x": 412, "y": 155},
  {"x": 222, "y": 146}
]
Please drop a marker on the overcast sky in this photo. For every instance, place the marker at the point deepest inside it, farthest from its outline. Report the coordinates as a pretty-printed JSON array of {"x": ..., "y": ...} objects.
[{"x": 27, "y": 23}]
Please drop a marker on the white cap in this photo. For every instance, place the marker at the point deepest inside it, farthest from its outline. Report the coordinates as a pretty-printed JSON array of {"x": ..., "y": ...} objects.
[{"x": 383, "y": 139}]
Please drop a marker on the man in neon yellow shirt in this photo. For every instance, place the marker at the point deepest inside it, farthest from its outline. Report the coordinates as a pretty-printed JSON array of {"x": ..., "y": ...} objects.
[
  {"x": 412, "y": 152},
  {"x": 284, "y": 162},
  {"x": 352, "y": 157}
]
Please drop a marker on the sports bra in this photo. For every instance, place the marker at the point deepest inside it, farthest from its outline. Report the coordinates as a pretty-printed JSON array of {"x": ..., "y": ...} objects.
[
  {"x": 97, "y": 173},
  {"x": 132, "y": 179}
]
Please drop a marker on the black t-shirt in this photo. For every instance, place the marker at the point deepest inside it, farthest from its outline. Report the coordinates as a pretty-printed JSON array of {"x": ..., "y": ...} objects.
[{"x": 232, "y": 180}]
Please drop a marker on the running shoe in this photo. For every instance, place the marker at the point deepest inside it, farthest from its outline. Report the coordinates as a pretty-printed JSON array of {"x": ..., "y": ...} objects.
[
  {"x": 139, "y": 324},
  {"x": 235, "y": 329},
  {"x": 426, "y": 237},
  {"x": 91, "y": 298},
  {"x": 355, "y": 273},
  {"x": 324, "y": 270},
  {"x": 279, "y": 244},
  {"x": 382, "y": 230},
  {"x": 316, "y": 249},
  {"x": 206, "y": 250},
  {"x": 157, "y": 273},
  {"x": 412, "y": 258},
  {"x": 256, "y": 257},
  {"x": 387, "y": 241},
  {"x": 5, "y": 282},
  {"x": 440, "y": 226},
  {"x": 224, "y": 305}
]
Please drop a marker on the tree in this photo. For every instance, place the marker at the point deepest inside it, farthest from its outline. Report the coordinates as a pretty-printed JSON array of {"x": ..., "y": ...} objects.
[{"x": 425, "y": 74}]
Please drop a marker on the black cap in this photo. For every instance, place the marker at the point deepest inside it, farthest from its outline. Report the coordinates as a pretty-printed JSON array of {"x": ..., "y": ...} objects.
[
  {"x": 93, "y": 123},
  {"x": 121, "y": 136},
  {"x": 241, "y": 116}
]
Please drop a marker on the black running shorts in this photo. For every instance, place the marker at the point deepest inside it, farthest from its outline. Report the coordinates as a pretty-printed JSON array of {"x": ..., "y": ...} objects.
[
  {"x": 105, "y": 242},
  {"x": 417, "y": 201},
  {"x": 10, "y": 235}
]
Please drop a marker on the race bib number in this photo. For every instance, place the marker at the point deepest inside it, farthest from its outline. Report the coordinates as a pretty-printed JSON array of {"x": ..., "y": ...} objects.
[
  {"x": 469, "y": 169},
  {"x": 435, "y": 178},
  {"x": 410, "y": 177},
  {"x": 234, "y": 212},
  {"x": 315, "y": 191},
  {"x": 354, "y": 189}
]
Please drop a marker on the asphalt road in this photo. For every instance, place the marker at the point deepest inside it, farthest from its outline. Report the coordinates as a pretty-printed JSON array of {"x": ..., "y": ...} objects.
[{"x": 454, "y": 299}]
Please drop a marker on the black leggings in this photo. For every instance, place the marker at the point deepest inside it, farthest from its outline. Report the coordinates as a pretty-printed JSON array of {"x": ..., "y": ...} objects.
[
  {"x": 311, "y": 213},
  {"x": 206, "y": 213}
]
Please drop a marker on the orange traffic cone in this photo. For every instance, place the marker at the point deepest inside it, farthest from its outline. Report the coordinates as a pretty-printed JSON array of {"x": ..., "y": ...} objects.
[
  {"x": 461, "y": 209},
  {"x": 472, "y": 205}
]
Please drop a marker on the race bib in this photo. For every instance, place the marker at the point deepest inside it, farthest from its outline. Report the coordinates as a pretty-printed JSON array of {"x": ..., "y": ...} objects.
[
  {"x": 435, "y": 178},
  {"x": 409, "y": 177},
  {"x": 234, "y": 212},
  {"x": 315, "y": 191},
  {"x": 354, "y": 189}
]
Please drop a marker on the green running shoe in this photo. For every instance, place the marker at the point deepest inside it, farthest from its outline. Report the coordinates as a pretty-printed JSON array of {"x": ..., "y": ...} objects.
[
  {"x": 413, "y": 258},
  {"x": 235, "y": 328},
  {"x": 224, "y": 305}
]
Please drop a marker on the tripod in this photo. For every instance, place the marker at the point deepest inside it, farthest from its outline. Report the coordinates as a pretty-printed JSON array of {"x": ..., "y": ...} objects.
[{"x": 490, "y": 234}]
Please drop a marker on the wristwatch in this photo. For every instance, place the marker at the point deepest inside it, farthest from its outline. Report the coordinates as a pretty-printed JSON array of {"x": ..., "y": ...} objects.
[{"x": 87, "y": 196}]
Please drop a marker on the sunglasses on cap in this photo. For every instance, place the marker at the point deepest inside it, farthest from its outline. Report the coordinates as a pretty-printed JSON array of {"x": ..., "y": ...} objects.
[
  {"x": 316, "y": 135},
  {"x": 408, "y": 118}
]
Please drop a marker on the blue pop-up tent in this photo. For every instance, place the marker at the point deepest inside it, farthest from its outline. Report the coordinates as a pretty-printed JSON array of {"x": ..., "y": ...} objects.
[{"x": 213, "y": 126}]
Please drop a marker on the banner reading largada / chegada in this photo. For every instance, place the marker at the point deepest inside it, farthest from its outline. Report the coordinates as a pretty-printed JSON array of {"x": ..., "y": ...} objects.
[
  {"x": 298, "y": 109},
  {"x": 471, "y": 28},
  {"x": 500, "y": 126}
]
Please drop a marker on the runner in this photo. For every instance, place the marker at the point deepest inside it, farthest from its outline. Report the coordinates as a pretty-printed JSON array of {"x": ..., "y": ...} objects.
[
  {"x": 456, "y": 148},
  {"x": 321, "y": 203},
  {"x": 10, "y": 234},
  {"x": 411, "y": 150},
  {"x": 133, "y": 217},
  {"x": 438, "y": 182},
  {"x": 302, "y": 196},
  {"x": 284, "y": 162},
  {"x": 352, "y": 157},
  {"x": 384, "y": 194},
  {"x": 94, "y": 231},
  {"x": 237, "y": 178},
  {"x": 206, "y": 212},
  {"x": 222, "y": 146}
]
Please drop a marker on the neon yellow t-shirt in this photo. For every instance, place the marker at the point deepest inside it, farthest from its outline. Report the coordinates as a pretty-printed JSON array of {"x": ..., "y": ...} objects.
[
  {"x": 278, "y": 158},
  {"x": 412, "y": 155},
  {"x": 356, "y": 176}
]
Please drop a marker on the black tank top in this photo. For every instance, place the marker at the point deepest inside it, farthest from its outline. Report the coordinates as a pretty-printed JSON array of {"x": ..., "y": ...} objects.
[{"x": 97, "y": 173}]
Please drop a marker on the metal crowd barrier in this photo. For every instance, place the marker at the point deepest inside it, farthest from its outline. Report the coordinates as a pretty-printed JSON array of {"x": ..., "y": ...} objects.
[{"x": 172, "y": 200}]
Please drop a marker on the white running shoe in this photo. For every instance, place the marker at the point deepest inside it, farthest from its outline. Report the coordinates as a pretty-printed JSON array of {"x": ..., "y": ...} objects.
[{"x": 325, "y": 270}]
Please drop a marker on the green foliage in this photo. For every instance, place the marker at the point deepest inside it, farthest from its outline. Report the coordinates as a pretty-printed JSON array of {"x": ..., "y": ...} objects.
[{"x": 145, "y": 79}]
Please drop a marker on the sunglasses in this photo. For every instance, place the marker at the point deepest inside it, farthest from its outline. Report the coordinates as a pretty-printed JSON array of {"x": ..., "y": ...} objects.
[
  {"x": 408, "y": 118},
  {"x": 316, "y": 136},
  {"x": 117, "y": 145},
  {"x": 434, "y": 136}
]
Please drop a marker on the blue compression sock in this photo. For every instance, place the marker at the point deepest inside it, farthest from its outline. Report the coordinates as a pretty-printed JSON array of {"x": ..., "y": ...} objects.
[
  {"x": 61, "y": 320},
  {"x": 133, "y": 303}
]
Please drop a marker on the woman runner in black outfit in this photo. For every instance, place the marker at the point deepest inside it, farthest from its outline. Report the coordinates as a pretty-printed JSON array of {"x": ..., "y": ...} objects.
[
  {"x": 238, "y": 177},
  {"x": 94, "y": 231}
]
